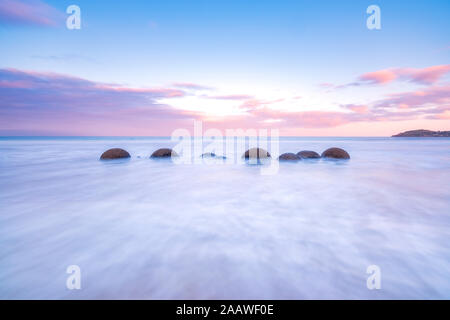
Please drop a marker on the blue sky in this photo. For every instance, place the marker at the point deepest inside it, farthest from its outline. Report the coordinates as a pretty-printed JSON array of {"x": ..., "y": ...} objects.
[
  {"x": 267, "y": 49},
  {"x": 212, "y": 40}
]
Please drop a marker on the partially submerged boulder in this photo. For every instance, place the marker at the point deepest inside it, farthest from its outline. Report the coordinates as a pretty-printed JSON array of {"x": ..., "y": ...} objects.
[
  {"x": 256, "y": 153},
  {"x": 208, "y": 155},
  {"x": 335, "y": 153},
  {"x": 289, "y": 157},
  {"x": 115, "y": 153},
  {"x": 306, "y": 154},
  {"x": 164, "y": 153}
]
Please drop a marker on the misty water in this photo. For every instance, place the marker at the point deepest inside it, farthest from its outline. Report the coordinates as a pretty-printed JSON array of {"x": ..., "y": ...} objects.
[{"x": 154, "y": 229}]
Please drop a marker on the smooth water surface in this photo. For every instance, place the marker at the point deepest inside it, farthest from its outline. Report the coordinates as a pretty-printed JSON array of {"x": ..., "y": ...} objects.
[{"x": 152, "y": 229}]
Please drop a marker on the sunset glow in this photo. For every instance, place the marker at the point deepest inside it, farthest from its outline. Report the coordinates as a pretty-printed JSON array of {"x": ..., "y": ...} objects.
[{"x": 60, "y": 82}]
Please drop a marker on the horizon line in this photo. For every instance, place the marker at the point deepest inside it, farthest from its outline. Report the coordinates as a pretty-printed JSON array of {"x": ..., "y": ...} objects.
[{"x": 224, "y": 136}]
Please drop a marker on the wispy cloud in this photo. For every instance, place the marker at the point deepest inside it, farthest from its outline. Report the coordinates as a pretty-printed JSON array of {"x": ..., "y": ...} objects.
[
  {"x": 429, "y": 75},
  {"x": 430, "y": 96},
  {"x": 65, "y": 58},
  {"x": 253, "y": 104},
  {"x": 356, "y": 108},
  {"x": 190, "y": 86},
  {"x": 379, "y": 77},
  {"x": 423, "y": 76},
  {"x": 231, "y": 97},
  {"x": 29, "y": 12},
  {"x": 48, "y": 102},
  {"x": 326, "y": 85}
]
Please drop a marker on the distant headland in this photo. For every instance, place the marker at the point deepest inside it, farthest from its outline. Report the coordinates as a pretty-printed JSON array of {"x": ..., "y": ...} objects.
[{"x": 423, "y": 133}]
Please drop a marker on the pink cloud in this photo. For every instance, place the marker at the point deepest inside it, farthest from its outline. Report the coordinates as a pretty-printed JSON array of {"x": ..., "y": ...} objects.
[
  {"x": 431, "y": 96},
  {"x": 54, "y": 103},
  {"x": 257, "y": 103},
  {"x": 318, "y": 119},
  {"x": 28, "y": 12},
  {"x": 190, "y": 86},
  {"x": 232, "y": 97},
  {"x": 163, "y": 92},
  {"x": 426, "y": 76},
  {"x": 379, "y": 77},
  {"x": 46, "y": 102},
  {"x": 13, "y": 78},
  {"x": 357, "y": 108},
  {"x": 15, "y": 84},
  {"x": 326, "y": 85},
  {"x": 444, "y": 115}
]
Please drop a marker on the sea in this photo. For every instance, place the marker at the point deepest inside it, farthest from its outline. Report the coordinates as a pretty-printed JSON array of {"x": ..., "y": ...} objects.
[{"x": 376, "y": 226}]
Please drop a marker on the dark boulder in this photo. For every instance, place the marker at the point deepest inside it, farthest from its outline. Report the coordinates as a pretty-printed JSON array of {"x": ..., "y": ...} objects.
[
  {"x": 256, "y": 153},
  {"x": 115, "y": 153},
  {"x": 164, "y": 153},
  {"x": 306, "y": 154},
  {"x": 335, "y": 153},
  {"x": 289, "y": 157}
]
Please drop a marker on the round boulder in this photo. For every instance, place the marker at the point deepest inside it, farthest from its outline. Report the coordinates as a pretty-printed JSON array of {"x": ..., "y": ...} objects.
[
  {"x": 335, "y": 153},
  {"x": 256, "y": 153},
  {"x": 115, "y": 153},
  {"x": 164, "y": 153},
  {"x": 289, "y": 157},
  {"x": 306, "y": 154}
]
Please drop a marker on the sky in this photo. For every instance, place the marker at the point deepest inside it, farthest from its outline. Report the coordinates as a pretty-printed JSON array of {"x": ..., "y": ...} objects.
[{"x": 147, "y": 68}]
